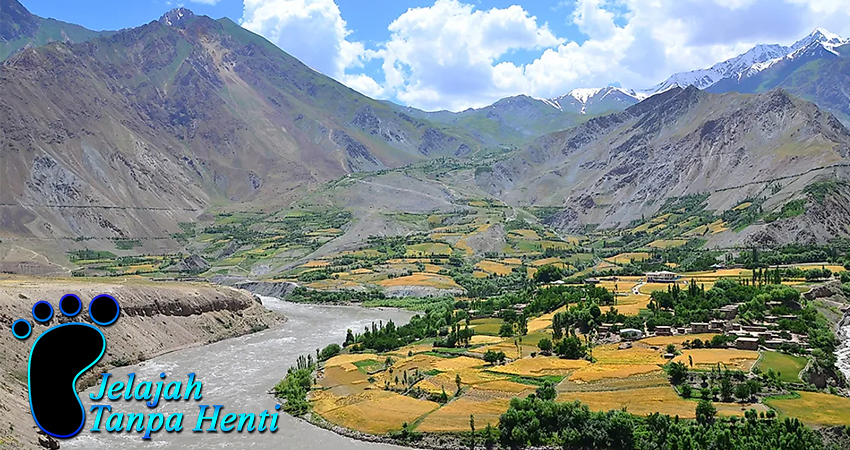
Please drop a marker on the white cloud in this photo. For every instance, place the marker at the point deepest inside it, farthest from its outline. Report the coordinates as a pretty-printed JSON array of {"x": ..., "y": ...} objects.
[
  {"x": 203, "y": 2},
  {"x": 443, "y": 56},
  {"x": 453, "y": 55},
  {"x": 311, "y": 30}
]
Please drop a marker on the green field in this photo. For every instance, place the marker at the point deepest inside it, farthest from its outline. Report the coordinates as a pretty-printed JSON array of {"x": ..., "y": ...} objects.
[
  {"x": 489, "y": 327},
  {"x": 787, "y": 366}
]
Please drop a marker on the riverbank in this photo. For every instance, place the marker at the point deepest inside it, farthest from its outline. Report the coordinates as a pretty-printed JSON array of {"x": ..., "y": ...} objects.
[{"x": 156, "y": 318}]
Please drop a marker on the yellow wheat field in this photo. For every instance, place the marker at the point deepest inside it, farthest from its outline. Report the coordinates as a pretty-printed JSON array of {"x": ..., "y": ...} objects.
[
  {"x": 493, "y": 267},
  {"x": 414, "y": 349},
  {"x": 647, "y": 401},
  {"x": 347, "y": 361},
  {"x": 668, "y": 243},
  {"x": 626, "y": 258},
  {"x": 544, "y": 261},
  {"x": 504, "y": 387},
  {"x": 540, "y": 366},
  {"x": 454, "y": 416},
  {"x": 704, "y": 358},
  {"x": 461, "y": 362},
  {"x": 678, "y": 339},
  {"x": 596, "y": 372},
  {"x": 381, "y": 415},
  {"x": 316, "y": 263},
  {"x": 542, "y": 322},
  {"x": 815, "y": 408},
  {"x": 422, "y": 279},
  {"x": 610, "y": 354},
  {"x": 480, "y": 339}
]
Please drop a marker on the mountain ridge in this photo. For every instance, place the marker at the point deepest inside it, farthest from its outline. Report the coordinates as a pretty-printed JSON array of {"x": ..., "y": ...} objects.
[{"x": 20, "y": 29}]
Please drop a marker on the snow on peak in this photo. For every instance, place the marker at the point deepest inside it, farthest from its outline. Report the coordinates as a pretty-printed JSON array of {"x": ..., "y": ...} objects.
[
  {"x": 819, "y": 35},
  {"x": 583, "y": 94},
  {"x": 747, "y": 64},
  {"x": 176, "y": 16},
  {"x": 580, "y": 99}
]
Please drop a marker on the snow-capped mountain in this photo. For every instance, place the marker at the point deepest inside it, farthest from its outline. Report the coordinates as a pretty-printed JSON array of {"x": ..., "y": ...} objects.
[
  {"x": 749, "y": 63},
  {"x": 594, "y": 100}
]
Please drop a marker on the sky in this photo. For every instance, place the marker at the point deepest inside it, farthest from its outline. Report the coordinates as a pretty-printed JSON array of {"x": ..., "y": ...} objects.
[{"x": 457, "y": 54}]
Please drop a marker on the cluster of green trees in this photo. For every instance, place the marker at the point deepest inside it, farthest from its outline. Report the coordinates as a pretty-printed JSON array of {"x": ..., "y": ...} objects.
[
  {"x": 440, "y": 321},
  {"x": 713, "y": 386},
  {"x": 539, "y": 421},
  {"x": 493, "y": 285},
  {"x": 835, "y": 251},
  {"x": 294, "y": 387},
  {"x": 304, "y": 295}
]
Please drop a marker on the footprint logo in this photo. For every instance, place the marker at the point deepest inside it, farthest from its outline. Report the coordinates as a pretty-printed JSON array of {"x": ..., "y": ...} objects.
[{"x": 59, "y": 356}]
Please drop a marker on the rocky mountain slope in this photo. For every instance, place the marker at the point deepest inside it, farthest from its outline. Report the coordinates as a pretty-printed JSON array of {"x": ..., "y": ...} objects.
[
  {"x": 20, "y": 29},
  {"x": 127, "y": 135},
  {"x": 621, "y": 167}
]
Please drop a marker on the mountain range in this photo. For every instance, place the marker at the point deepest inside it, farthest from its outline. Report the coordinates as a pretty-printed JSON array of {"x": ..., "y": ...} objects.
[{"x": 129, "y": 134}]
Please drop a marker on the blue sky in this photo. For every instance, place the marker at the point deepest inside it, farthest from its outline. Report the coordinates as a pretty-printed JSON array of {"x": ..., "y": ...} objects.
[{"x": 454, "y": 54}]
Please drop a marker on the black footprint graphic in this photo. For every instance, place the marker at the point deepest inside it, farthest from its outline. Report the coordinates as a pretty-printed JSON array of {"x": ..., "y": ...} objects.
[{"x": 59, "y": 356}]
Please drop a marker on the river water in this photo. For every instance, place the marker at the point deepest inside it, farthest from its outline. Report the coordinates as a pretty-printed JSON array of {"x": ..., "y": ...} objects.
[
  {"x": 843, "y": 351},
  {"x": 237, "y": 373}
]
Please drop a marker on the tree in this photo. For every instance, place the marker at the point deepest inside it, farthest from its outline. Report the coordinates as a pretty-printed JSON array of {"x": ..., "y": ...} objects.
[
  {"x": 548, "y": 273},
  {"x": 472, "y": 432},
  {"x": 686, "y": 390},
  {"x": 677, "y": 372},
  {"x": 706, "y": 412},
  {"x": 457, "y": 382},
  {"x": 570, "y": 348},
  {"x": 742, "y": 391},
  {"x": 671, "y": 348},
  {"x": 329, "y": 352},
  {"x": 547, "y": 392},
  {"x": 726, "y": 389},
  {"x": 545, "y": 346},
  {"x": 490, "y": 437},
  {"x": 492, "y": 357},
  {"x": 506, "y": 329},
  {"x": 349, "y": 338}
]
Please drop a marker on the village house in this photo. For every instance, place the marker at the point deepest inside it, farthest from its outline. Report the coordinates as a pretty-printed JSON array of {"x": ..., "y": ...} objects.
[
  {"x": 753, "y": 329},
  {"x": 699, "y": 327},
  {"x": 747, "y": 343},
  {"x": 774, "y": 343},
  {"x": 631, "y": 333},
  {"x": 661, "y": 277},
  {"x": 728, "y": 312},
  {"x": 717, "y": 325},
  {"x": 663, "y": 330}
]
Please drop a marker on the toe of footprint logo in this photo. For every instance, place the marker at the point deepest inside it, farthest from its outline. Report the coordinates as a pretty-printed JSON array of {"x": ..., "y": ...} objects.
[{"x": 59, "y": 356}]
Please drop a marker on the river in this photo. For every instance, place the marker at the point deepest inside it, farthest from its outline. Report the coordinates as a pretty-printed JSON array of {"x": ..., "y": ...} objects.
[
  {"x": 843, "y": 351},
  {"x": 237, "y": 373}
]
